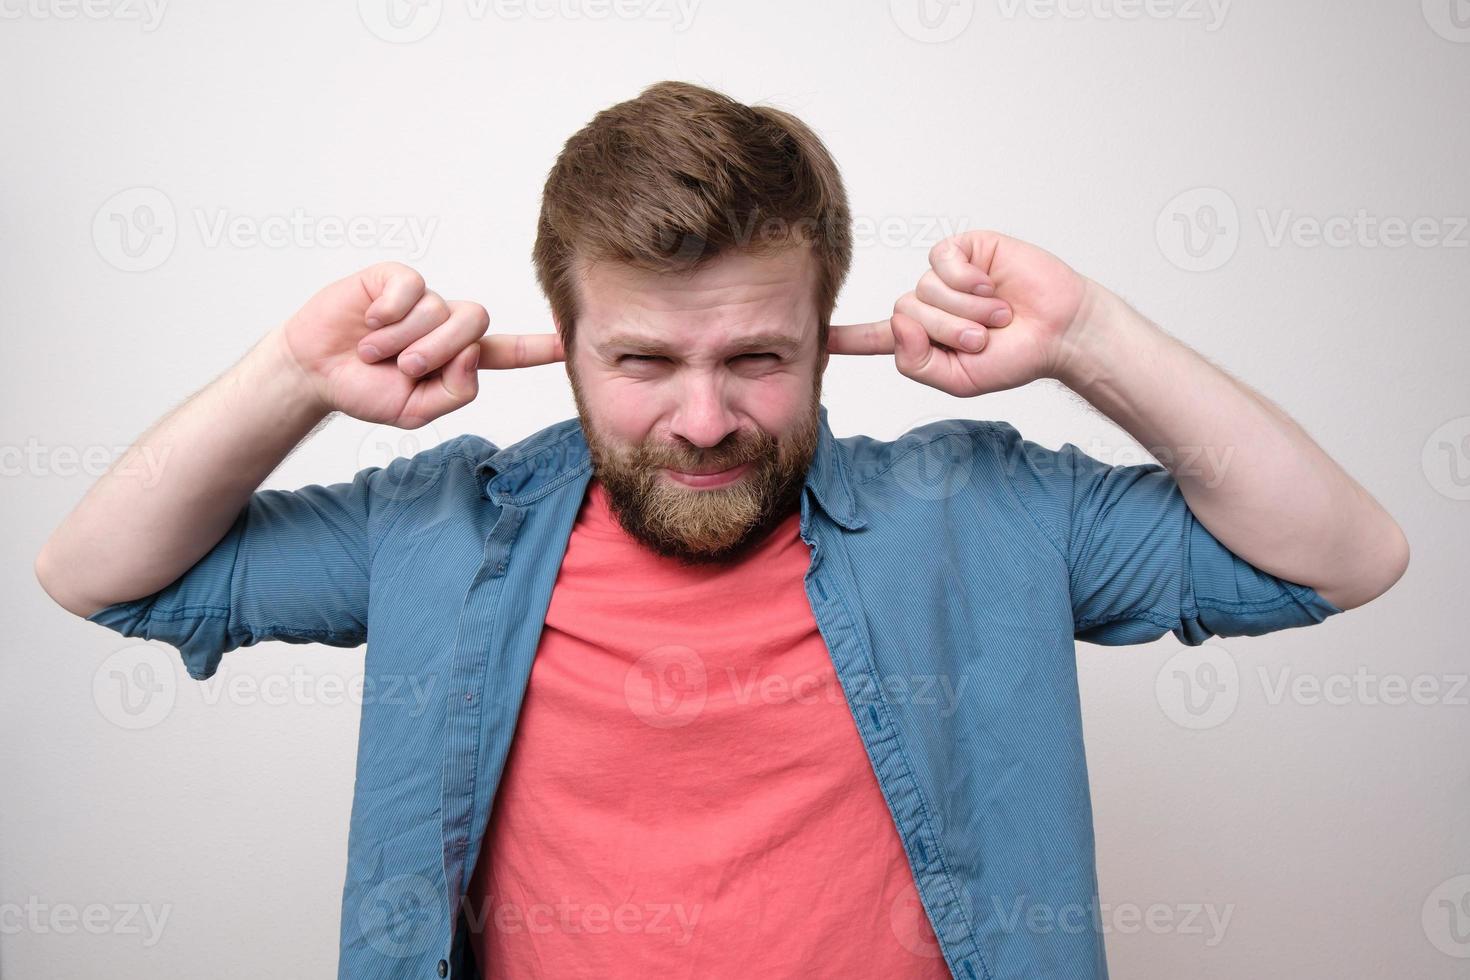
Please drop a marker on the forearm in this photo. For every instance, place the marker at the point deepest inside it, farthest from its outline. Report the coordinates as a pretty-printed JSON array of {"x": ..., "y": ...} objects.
[
  {"x": 172, "y": 496},
  {"x": 1250, "y": 474}
]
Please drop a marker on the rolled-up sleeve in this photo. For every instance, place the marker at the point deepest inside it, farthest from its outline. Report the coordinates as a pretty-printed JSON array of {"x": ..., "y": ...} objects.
[
  {"x": 294, "y": 566},
  {"x": 1140, "y": 563}
]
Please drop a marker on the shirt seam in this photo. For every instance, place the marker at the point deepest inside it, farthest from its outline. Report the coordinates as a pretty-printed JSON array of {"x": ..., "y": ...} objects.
[
  {"x": 442, "y": 462},
  {"x": 1218, "y": 605},
  {"x": 1015, "y": 493},
  {"x": 1146, "y": 614},
  {"x": 1252, "y": 605},
  {"x": 905, "y": 455},
  {"x": 554, "y": 483},
  {"x": 175, "y": 613}
]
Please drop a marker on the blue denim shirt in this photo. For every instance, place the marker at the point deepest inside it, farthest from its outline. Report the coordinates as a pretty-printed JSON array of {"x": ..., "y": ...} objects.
[{"x": 958, "y": 558}]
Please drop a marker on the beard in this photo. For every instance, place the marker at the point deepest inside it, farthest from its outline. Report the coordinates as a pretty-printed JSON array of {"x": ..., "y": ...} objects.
[{"x": 709, "y": 525}]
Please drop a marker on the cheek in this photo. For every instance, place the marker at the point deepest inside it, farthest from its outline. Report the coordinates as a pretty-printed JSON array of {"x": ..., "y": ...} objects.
[
  {"x": 627, "y": 410},
  {"x": 776, "y": 402},
  {"x": 622, "y": 410}
]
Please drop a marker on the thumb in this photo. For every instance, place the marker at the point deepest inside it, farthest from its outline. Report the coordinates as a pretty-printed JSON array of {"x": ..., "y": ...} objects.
[
  {"x": 911, "y": 347},
  {"x": 453, "y": 387}
]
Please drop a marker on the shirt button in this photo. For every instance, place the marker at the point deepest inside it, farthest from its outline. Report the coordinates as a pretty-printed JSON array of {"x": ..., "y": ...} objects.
[{"x": 444, "y": 968}]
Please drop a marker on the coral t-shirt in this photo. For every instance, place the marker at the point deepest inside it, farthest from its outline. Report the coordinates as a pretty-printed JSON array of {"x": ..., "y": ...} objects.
[{"x": 686, "y": 794}]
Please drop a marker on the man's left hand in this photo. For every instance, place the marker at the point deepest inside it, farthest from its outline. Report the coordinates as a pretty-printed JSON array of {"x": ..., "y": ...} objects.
[{"x": 991, "y": 313}]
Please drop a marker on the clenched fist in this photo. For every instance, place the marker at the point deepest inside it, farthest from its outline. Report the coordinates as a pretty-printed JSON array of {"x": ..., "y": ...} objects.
[
  {"x": 991, "y": 313},
  {"x": 381, "y": 346}
]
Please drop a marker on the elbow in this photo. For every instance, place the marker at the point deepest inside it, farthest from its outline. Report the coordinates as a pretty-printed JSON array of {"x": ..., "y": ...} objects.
[
  {"x": 46, "y": 577},
  {"x": 42, "y": 568},
  {"x": 1377, "y": 572},
  {"x": 1394, "y": 562},
  {"x": 1398, "y": 560}
]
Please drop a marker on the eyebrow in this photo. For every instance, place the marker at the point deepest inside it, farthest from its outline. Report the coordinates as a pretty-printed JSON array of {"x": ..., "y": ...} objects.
[{"x": 631, "y": 344}]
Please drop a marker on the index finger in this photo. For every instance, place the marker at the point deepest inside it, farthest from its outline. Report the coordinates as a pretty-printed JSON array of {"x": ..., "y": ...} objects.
[
  {"x": 501, "y": 351},
  {"x": 861, "y": 338}
]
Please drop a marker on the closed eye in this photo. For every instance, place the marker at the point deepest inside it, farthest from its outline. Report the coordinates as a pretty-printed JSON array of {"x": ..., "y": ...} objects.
[{"x": 650, "y": 358}]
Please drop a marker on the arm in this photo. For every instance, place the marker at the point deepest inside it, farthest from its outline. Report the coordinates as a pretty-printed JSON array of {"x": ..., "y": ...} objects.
[
  {"x": 994, "y": 312},
  {"x": 1250, "y": 474},
  {"x": 128, "y": 538},
  {"x": 377, "y": 345}
]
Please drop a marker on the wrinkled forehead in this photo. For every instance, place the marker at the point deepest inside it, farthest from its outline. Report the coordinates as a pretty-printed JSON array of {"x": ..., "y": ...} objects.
[{"x": 732, "y": 297}]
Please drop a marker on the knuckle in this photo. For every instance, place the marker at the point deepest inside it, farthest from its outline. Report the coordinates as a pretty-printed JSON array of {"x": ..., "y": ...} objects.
[
  {"x": 392, "y": 269},
  {"x": 436, "y": 307},
  {"x": 476, "y": 314},
  {"x": 943, "y": 247},
  {"x": 412, "y": 276},
  {"x": 406, "y": 278}
]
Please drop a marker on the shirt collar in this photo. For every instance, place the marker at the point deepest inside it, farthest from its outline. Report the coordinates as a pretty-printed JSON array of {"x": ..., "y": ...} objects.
[{"x": 523, "y": 473}]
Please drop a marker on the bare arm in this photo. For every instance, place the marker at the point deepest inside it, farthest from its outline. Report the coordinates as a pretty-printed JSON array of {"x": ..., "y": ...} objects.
[
  {"x": 377, "y": 345},
  {"x": 140, "y": 527},
  {"x": 1261, "y": 485},
  {"x": 995, "y": 313}
]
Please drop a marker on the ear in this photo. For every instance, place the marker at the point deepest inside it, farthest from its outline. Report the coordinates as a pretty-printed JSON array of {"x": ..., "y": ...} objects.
[{"x": 566, "y": 360}]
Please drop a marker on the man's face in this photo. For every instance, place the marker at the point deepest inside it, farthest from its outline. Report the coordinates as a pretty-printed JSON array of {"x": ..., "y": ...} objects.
[{"x": 698, "y": 395}]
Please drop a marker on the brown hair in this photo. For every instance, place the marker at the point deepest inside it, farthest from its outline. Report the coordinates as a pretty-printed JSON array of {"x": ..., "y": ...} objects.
[{"x": 669, "y": 180}]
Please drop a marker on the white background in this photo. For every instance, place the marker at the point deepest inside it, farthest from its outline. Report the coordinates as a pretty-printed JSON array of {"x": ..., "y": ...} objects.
[{"x": 1331, "y": 834}]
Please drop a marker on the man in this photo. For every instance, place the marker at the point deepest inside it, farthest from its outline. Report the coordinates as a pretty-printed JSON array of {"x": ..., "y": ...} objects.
[{"x": 716, "y": 693}]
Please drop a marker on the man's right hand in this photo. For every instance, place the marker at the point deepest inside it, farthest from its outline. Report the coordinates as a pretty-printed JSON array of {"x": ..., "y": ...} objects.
[{"x": 381, "y": 346}]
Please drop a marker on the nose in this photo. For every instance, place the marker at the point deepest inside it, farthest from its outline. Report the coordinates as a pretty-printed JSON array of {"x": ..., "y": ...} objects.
[{"x": 703, "y": 417}]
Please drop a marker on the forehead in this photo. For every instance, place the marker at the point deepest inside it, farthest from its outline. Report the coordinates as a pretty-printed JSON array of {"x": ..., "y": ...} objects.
[{"x": 731, "y": 296}]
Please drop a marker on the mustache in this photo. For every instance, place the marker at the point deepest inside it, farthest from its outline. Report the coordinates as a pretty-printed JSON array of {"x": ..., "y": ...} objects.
[{"x": 732, "y": 451}]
